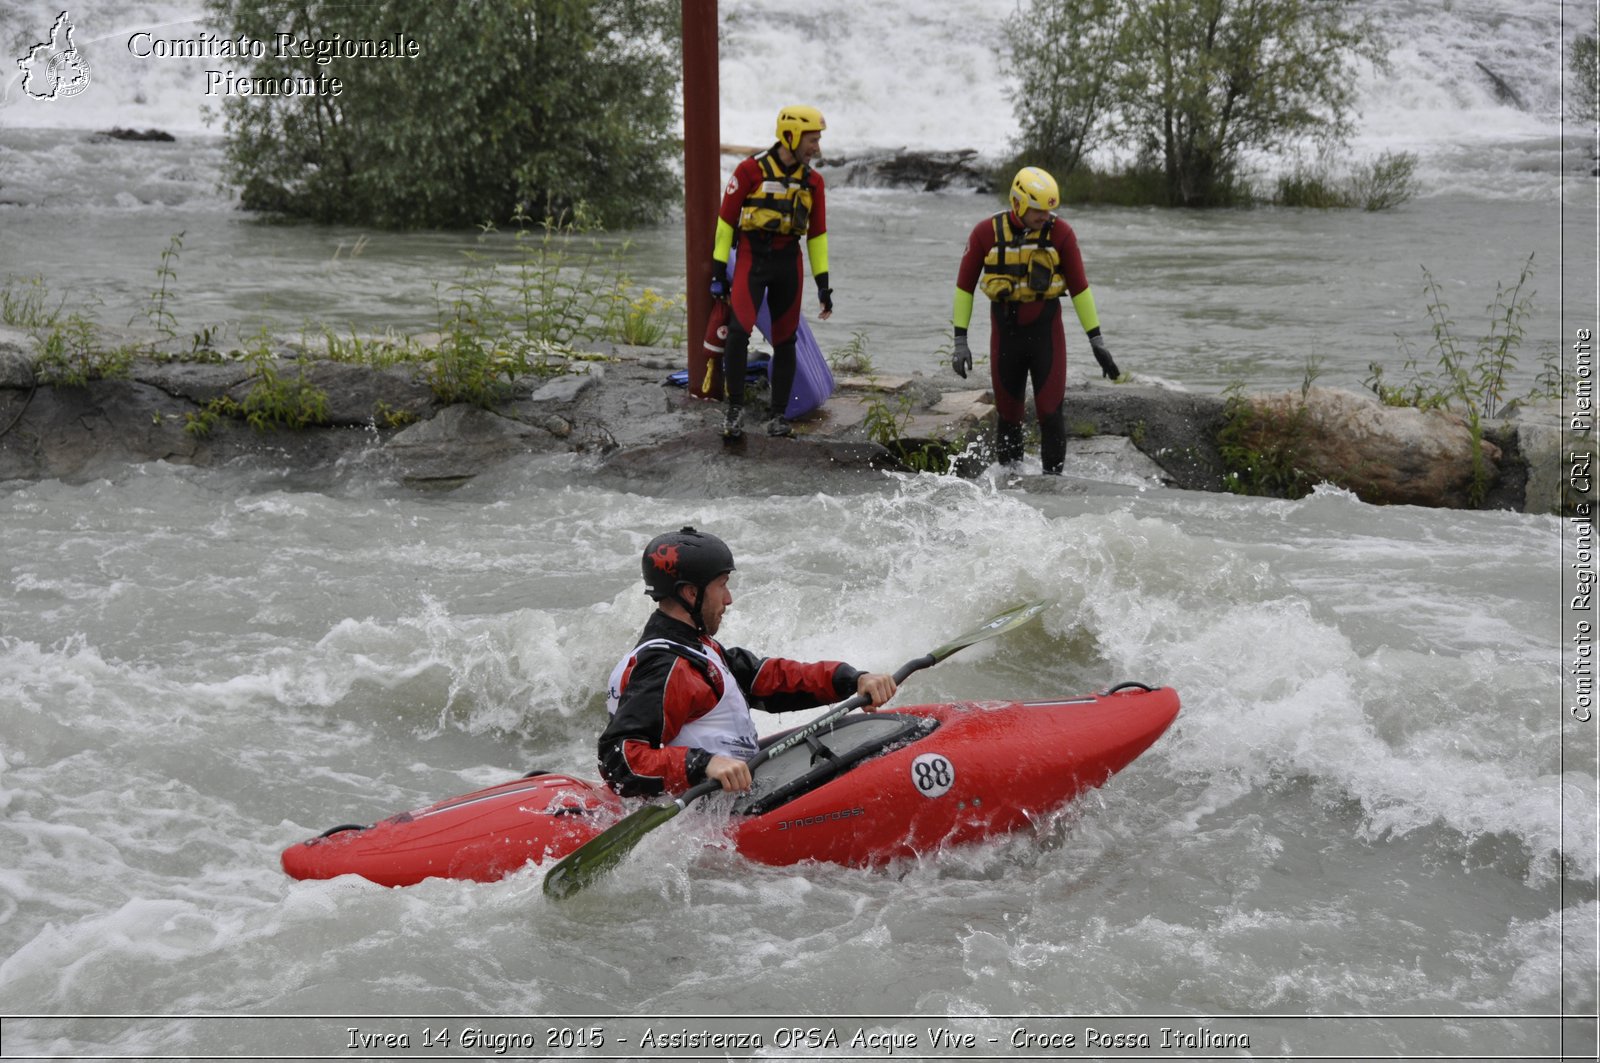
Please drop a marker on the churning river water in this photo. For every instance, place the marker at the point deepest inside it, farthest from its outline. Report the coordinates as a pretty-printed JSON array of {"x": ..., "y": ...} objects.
[{"x": 1370, "y": 834}]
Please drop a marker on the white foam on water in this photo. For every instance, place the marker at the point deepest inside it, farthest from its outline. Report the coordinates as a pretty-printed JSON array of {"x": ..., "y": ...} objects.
[{"x": 1326, "y": 748}]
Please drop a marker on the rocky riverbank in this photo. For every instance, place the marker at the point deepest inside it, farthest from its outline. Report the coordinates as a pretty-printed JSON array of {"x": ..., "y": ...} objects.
[{"x": 617, "y": 408}]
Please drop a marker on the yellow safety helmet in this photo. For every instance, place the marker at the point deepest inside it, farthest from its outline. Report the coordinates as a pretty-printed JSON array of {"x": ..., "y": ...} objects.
[
  {"x": 1032, "y": 187},
  {"x": 795, "y": 122}
]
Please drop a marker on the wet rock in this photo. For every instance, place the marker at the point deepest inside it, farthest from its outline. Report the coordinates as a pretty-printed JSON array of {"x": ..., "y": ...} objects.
[
  {"x": 900, "y": 168},
  {"x": 1502, "y": 88},
  {"x": 76, "y": 432},
  {"x": 700, "y": 465},
  {"x": 358, "y": 395},
  {"x": 1546, "y": 444},
  {"x": 666, "y": 442},
  {"x": 457, "y": 444},
  {"x": 197, "y": 382},
  {"x": 1177, "y": 430},
  {"x": 1385, "y": 454},
  {"x": 1114, "y": 459},
  {"x": 569, "y": 387},
  {"x": 147, "y": 135},
  {"x": 16, "y": 359}
]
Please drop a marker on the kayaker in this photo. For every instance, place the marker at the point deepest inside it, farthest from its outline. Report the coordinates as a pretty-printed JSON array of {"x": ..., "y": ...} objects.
[
  {"x": 1025, "y": 259},
  {"x": 680, "y": 701},
  {"x": 773, "y": 200}
]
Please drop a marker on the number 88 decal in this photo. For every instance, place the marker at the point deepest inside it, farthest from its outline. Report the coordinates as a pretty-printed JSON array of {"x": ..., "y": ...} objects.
[{"x": 932, "y": 775}]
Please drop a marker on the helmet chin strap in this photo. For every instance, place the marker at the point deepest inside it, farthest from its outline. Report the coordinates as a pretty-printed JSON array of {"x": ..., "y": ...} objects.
[{"x": 692, "y": 610}]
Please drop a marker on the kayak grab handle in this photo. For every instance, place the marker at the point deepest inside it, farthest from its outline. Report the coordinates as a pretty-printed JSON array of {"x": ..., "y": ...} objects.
[
  {"x": 1130, "y": 685},
  {"x": 341, "y": 828}
]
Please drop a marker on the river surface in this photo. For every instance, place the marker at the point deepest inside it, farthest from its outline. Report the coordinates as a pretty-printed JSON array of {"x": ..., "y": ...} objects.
[
  {"x": 1371, "y": 832},
  {"x": 1195, "y": 299}
]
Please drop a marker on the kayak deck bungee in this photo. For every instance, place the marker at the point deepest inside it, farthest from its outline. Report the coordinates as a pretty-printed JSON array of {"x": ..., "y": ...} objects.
[{"x": 871, "y": 789}]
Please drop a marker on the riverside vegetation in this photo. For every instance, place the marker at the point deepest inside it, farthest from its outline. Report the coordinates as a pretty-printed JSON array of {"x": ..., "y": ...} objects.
[
  {"x": 519, "y": 107},
  {"x": 507, "y": 315},
  {"x": 532, "y": 306},
  {"x": 1188, "y": 89},
  {"x": 1266, "y": 450},
  {"x": 543, "y": 101}
]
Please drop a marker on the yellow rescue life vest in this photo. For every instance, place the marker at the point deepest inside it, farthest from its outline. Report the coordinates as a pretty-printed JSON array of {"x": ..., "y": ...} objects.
[
  {"x": 781, "y": 203},
  {"x": 1022, "y": 266}
]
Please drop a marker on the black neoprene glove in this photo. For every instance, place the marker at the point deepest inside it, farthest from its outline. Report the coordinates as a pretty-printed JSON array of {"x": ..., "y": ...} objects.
[
  {"x": 962, "y": 360},
  {"x": 1108, "y": 366}
]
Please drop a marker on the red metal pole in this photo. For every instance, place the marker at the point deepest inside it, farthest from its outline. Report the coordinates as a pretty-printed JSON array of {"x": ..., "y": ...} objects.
[{"x": 702, "y": 181}]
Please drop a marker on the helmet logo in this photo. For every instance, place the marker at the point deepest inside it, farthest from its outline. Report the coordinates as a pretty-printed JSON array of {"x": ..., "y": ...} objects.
[{"x": 665, "y": 559}]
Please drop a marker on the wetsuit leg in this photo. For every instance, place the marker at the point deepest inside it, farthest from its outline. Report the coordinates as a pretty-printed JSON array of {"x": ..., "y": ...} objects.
[
  {"x": 782, "y": 376},
  {"x": 744, "y": 298},
  {"x": 1008, "y": 376},
  {"x": 783, "y": 300},
  {"x": 1050, "y": 389}
]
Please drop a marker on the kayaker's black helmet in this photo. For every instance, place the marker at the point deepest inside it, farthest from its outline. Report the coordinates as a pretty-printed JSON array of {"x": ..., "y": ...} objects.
[{"x": 685, "y": 556}]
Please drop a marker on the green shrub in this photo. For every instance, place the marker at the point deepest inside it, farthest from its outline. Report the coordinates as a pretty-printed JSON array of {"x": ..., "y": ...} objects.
[
  {"x": 1470, "y": 377},
  {"x": 25, "y": 304},
  {"x": 886, "y": 427},
  {"x": 1264, "y": 450},
  {"x": 1379, "y": 184},
  {"x": 853, "y": 359},
  {"x": 648, "y": 320},
  {"x": 539, "y": 106},
  {"x": 1385, "y": 182},
  {"x": 71, "y": 354}
]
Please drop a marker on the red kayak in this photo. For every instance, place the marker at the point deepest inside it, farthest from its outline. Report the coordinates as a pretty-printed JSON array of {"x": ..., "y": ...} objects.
[{"x": 873, "y": 788}]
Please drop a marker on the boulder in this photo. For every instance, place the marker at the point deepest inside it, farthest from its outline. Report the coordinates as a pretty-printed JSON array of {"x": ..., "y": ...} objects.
[
  {"x": 196, "y": 382},
  {"x": 668, "y": 442},
  {"x": 118, "y": 133},
  {"x": 1176, "y": 430},
  {"x": 925, "y": 170},
  {"x": 75, "y": 432},
  {"x": 1548, "y": 444},
  {"x": 1386, "y": 455},
  {"x": 16, "y": 358},
  {"x": 569, "y": 387},
  {"x": 362, "y": 395},
  {"x": 457, "y": 443}
]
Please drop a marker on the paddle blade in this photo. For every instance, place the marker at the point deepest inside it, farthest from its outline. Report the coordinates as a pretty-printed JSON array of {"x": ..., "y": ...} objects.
[
  {"x": 604, "y": 851},
  {"x": 1006, "y": 621}
]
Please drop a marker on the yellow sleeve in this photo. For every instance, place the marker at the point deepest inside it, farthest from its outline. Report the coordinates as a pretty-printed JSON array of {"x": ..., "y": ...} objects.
[
  {"x": 961, "y": 314},
  {"x": 724, "y": 245},
  {"x": 817, "y": 251},
  {"x": 1083, "y": 303}
]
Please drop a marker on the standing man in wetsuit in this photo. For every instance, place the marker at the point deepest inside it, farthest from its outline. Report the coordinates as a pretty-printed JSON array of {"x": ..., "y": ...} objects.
[
  {"x": 1027, "y": 258},
  {"x": 773, "y": 200},
  {"x": 680, "y": 702}
]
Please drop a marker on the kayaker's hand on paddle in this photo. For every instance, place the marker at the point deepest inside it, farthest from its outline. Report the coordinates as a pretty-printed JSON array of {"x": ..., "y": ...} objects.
[
  {"x": 731, "y": 772},
  {"x": 879, "y": 686}
]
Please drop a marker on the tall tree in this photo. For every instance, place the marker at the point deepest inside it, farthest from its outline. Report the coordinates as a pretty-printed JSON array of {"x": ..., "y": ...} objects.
[
  {"x": 511, "y": 106},
  {"x": 1064, "y": 52},
  {"x": 1584, "y": 63},
  {"x": 1204, "y": 81}
]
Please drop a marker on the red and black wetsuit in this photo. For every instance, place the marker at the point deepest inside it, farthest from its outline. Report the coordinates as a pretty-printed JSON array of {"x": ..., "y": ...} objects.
[
  {"x": 1026, "y": 341},
  {"x": 768, "y": 265},
  {"x": 659, "y": 692}
]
